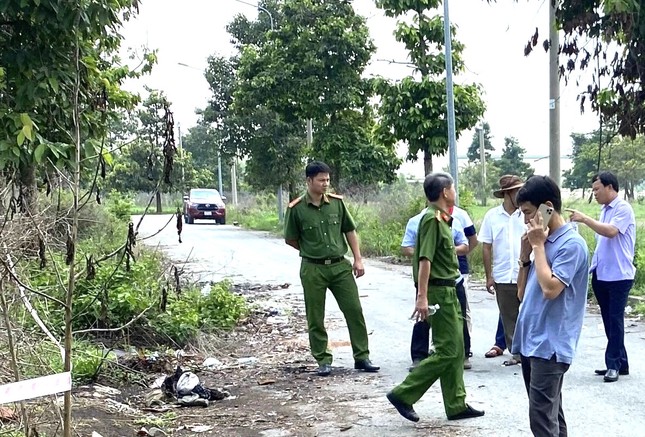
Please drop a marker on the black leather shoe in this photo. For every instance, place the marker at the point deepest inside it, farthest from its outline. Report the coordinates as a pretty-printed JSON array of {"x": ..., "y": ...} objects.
[
  {"x": 602, "y": 372},
  {"x": 611, "y": 375},
  {"x": 324, "y": 370},
  {"x": 366, "y": 365},
  {"x": 404, "y": 410},
  {"x": 468, "y": 413}
]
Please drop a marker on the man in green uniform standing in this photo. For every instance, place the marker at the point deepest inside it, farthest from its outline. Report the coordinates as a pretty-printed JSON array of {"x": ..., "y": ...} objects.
[
  {"x": 319, "y": 226},
  {"x": 435, "y": 268}
]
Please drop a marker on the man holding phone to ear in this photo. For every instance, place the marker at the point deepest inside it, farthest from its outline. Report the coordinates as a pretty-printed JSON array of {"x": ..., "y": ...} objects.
[
  {"x": 501, "y": 232},
  {"x": 553, "y": 289}
]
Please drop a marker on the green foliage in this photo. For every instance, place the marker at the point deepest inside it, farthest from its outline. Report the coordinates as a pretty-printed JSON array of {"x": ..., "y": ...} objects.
[
  {"x": 121, "y": 205},
  {"x": 414, "y": 109},
  {"x": 621, "y": 155},
  {"x": 194, "y": 311},
  {"x": 38, "y": 46},
  {"x": 512, "y": 160},
  {"x": 474, "y": 153},
  {"x": 470, "y": 178}
]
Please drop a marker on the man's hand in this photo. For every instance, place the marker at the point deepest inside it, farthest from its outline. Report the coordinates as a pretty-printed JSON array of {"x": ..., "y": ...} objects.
[
  {"x": 536, "y": 233},
  {"x": 525, "y": 248},
  {"x": 358, "y": 268},
  {"x": 421, "y": 308},
  {"x": 490, "y": 285},
  {"x": 576, "y": 216}
]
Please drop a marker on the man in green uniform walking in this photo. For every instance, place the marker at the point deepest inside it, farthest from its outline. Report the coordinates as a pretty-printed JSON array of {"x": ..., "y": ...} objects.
[
  {"x": 319, "y": 225},
  {"x": 435, "y": 268}
]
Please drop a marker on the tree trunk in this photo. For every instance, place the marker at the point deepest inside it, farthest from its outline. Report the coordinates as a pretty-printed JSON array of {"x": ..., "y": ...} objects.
[
  {"x": 292, "y": 191},
  {"x": 427, "y": 162},
  {"x": 158, "y": 198},
  {"x": 28, "y": 183}
]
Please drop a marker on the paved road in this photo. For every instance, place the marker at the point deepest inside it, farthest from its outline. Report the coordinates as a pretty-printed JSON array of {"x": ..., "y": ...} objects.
[{"x": 592, "y": 408}]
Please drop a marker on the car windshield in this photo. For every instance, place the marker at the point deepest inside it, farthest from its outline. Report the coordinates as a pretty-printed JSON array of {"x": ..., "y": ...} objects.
[{"x": 205, "y": 195}]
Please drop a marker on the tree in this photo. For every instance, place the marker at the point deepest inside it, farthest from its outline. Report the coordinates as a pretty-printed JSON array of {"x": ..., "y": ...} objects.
[
  {"x": 201, "y": 143},
  {"x": 414, "y": 109},
  {"x": 607, "y": 37},
  {"x": 38, "y": 42},
  {"x": 584, "y": 157},
  {"x": 347, "y": 144},
  {"x": 470, "y": 178},
  {"x": 473, "y": 150},
  {"x": 512, "y": 160}
]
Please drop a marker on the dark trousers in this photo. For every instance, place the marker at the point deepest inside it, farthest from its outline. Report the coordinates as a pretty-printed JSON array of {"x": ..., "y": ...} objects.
[
  {"x": 500, "y": 338},
  {"x": 543, "y": 381},
  {"x": 612, "y": 298},
  {"x": 421, "y": 331}
]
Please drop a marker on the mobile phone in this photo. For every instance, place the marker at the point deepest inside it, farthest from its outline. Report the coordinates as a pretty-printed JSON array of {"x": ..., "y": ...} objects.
[{"x": 546, "y": 212}]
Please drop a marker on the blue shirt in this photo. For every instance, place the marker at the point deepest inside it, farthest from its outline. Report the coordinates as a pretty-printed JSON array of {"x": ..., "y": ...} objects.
[
  {"x": 412, "y": 229},
  {"x": 613, "y": 259},
  {"x": 463, "y": 221},
  {"x": 547, "y": 327}
]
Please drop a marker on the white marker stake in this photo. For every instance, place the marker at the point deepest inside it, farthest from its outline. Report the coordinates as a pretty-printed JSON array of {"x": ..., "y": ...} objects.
[{"x": 36, "y": 387}]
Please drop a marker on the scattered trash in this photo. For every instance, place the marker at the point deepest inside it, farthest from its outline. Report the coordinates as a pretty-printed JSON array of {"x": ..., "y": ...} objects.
[
  {"x": 628, "y": 309},
  {"x": 189, "y": 390},
  {"x": 200, "y": 428},
  {"x": 266, "y": 382},
  {"x": 346, "y": 427},
  {"x": 7, "y": 415},
  {"x": 278, "y": 320},
  {"x": 187, "y": 382},
  {"x": 192, "y": 401},
  {"x": 152, "y": 432},
  {"x": 212, "y": 363},
  {"x": 158, "y": 382},
  {"x": 96, "y": 434},
  {"x": 247, "y": 361}
]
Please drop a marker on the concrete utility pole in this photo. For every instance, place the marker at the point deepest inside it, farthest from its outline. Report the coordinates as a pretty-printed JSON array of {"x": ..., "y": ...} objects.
[
  {"x": 554, "y": 101},
  {"x": 452, "y": 140},
  {"x": 181, "y": 156},
  {"x": 482, "y": 159},
  {"x": 234, "y": 181},
  {"x": 219, "y": 173}
]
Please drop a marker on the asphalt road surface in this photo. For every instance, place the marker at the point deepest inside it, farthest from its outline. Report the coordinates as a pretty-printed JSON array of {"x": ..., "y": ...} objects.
[{"x": 592, "y": 407}]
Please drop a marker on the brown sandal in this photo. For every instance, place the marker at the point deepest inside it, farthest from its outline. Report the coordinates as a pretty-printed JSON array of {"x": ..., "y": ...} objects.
[{"x": 495, "y": 351}]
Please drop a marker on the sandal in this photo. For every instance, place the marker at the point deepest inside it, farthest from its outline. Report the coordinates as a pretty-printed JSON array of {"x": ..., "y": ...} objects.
[
  {"x": 495, "y": 351},
  {"x": 511, "y": 362}
]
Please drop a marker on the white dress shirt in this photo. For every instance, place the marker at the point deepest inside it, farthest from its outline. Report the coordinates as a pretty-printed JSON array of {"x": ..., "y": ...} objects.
[{"x": 504, "y": 232}]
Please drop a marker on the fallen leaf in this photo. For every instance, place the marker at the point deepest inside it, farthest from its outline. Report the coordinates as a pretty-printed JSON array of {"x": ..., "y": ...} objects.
[
  {"x": 7, "y": 414},
  {"x": 346, "y": 427}
]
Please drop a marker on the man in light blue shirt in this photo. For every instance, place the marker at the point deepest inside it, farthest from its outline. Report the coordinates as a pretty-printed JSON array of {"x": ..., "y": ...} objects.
[
  {"x": 612, "y": 268},
  {"x": 553, "y": 291},
  {"x": 420, "y": 343}
]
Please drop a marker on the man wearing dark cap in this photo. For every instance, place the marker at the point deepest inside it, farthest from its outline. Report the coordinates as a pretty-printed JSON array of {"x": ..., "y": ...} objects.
[{"x": 501, "y": 233}]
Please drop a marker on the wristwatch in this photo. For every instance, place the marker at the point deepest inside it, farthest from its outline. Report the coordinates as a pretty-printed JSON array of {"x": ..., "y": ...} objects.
[{"x": 524, "y": 263}]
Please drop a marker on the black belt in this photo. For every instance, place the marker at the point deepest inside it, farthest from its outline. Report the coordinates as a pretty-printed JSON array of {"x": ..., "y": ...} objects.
[
  {"x": 325, "y": 261},
  {"x": 442, "y": 282}
]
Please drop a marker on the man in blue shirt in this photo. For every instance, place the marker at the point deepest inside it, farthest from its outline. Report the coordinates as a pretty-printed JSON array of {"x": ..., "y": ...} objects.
[{"x": 553, "y": 291}]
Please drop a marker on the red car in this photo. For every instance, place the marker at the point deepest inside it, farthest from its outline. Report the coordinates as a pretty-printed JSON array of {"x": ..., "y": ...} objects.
[{"x": 206, "y": 204}]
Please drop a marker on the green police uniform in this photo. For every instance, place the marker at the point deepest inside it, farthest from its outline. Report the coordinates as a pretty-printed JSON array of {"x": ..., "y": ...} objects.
[
  {"x": 320, "y": 231},
  {"x": 435, "y": 243}
]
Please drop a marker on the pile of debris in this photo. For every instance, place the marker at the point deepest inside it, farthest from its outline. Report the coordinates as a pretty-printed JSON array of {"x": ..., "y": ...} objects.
[{"x": 189, "y": 391}]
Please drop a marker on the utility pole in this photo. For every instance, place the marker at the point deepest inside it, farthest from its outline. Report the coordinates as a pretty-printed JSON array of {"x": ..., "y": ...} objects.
[
  {"x": 234, "y": 181},
  {"x": 181, "y": 156},
  {"x": 450, "y": 98},
  {"x": 482, "y": 159},
  {"x": 219, "y": 173},
  {"x": 554, "y": 91}
]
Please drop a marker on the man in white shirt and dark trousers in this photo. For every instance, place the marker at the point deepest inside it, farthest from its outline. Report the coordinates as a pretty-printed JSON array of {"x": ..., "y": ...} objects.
[{"x": 501, "y": 233}]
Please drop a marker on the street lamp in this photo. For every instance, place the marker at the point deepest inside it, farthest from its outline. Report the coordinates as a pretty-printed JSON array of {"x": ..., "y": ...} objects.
[{"x": 452, "y": 139}]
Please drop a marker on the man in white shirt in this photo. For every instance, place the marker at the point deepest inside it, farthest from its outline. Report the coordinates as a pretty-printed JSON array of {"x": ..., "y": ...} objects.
[{"x": 501, "y": 233}]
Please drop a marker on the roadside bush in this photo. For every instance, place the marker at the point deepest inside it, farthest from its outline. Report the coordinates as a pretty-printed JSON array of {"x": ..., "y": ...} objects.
[{"x": 120, "y": 205}]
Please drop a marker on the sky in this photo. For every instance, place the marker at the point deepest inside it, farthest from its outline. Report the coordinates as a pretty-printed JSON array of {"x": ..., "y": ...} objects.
[{"x": 516, "y": 88}]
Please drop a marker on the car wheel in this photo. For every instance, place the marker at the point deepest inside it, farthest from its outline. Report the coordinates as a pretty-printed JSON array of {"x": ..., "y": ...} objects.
[
  {"x": 221, "y": 221},
  {"x": 185, "y": 218},
  {"x": 191, "y": 220}
]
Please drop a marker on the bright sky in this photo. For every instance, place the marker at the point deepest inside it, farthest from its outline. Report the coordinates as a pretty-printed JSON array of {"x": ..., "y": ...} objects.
[{"x": 515, "y": 86}]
